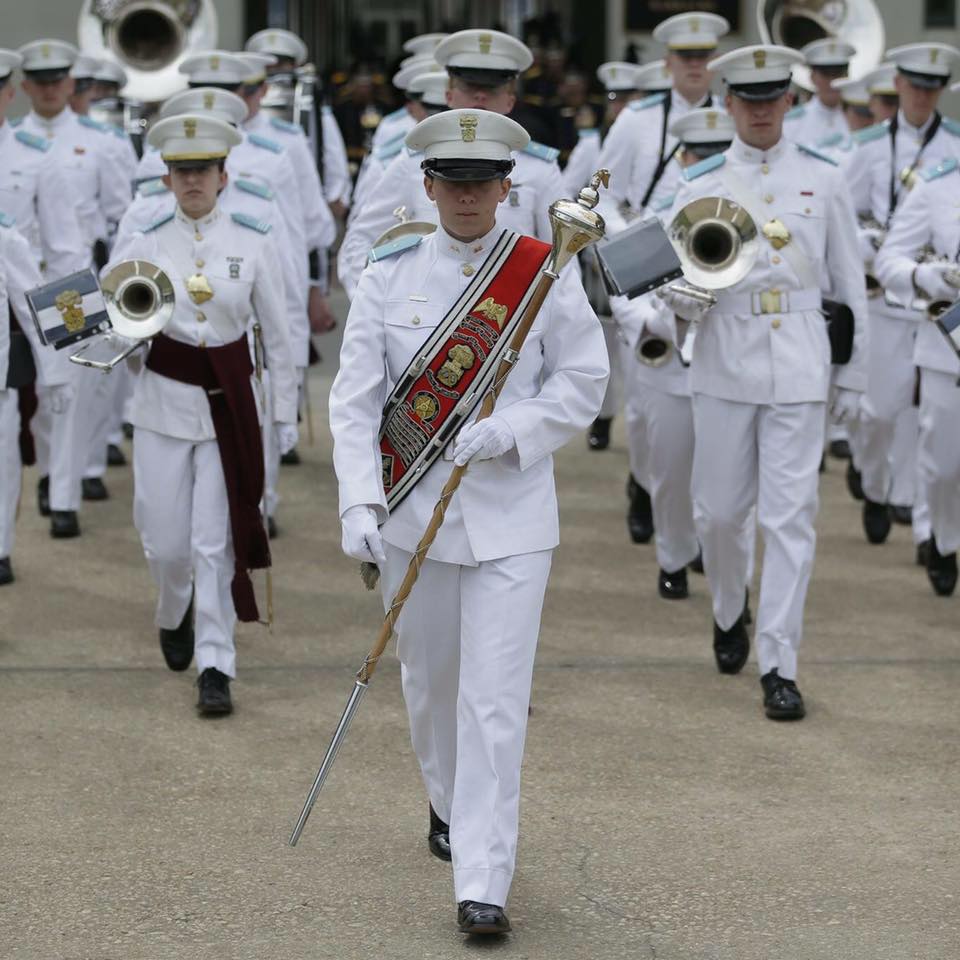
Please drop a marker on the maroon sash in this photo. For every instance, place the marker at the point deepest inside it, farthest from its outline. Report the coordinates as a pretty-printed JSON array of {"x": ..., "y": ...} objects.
[{"x": 224, "y": 373}]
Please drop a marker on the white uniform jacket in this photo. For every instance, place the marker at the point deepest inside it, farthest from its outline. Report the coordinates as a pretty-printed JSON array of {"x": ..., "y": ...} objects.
[
  {"x": 583, "y": 162},
  {"x": 748, "y": 356},
  {"x": 507, "y": 505},
  {"x": 930, "y": 214},
  {"x": 242, "y": 269},
  {"x": 813, "y": 124},
  {"x": 535, "y": 184},
  {"x": 398, "y": 123}
]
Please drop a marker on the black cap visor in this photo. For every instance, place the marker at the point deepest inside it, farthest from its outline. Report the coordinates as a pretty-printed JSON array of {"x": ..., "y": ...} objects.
[
  {"x": 703, "y": 150},
  {"x": 193, "y": 164},
  {"x": 694, "y": 53},
  {"x": 47, "y": 76},
  {"x": 478, "y": 77},
  {"x": 82, "y": 84},
  {"x": 925, "y": 81},
  {"x": 229, "y": 87},
  {"x": 760, "y": 92},
  {"x": 833, "y": 70},
  {"x": 467, "y": 170}
]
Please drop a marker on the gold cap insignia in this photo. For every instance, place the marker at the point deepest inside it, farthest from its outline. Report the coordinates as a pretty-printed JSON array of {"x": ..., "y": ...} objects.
[
  {"x": 493, "y": 311},
  {"x": 189, "y": 127},
  {"x": 694, "y": 24},
  {"x": 208, "y": 101},
  {"x": 934, "y": 53},
  {"x": 712, "y": 120},
  {"x": 759, "y": 59},
  {"x": 215, "y": 63},
  {"x": 613, "y": 73},
  {"x": 70, "y": 305},
  {"x": 45, "y": 51},
  {"x": 459, "y": 359},
  {"x": 468, "y": 127},
  {"x": 485, "y": 41}
]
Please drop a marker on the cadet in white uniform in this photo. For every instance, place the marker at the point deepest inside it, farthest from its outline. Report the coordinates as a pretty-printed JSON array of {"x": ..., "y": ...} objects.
[
  {"x": 820, "y": 121},
  {"x": 198, "y": 456},
  {"x": 916, "y": 139},
  {"x": 468, "y": 633},
  {"x": 761, "y": 371},
  {"x": 483, "y": 67},
  {"x": 21, "y": 356},
  {"x": 929, "y": 216}
]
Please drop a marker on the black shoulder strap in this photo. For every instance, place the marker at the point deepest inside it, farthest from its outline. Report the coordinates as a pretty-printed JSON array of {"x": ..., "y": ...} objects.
[
  {"x": 894, "y": 175},
  {"x": 662, "y": 160}
]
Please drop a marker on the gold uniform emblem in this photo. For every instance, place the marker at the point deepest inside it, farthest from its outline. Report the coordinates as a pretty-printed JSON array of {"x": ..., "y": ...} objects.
[
  {"x": 70, "y": 305},
  {"x": 198, "y": 286},
  {"x": 759, "y": 59},
  {"x": 468, "y": 127},
  {"x": 459, "y": 359},
  {"x": 208, "y": 101},
  {"x": 777, "y": 234},
  {"x": 189, "y": 127},
  {"x": 426, "y": 406},
  {"x": 712, "y": 120},
  {"x": 215, "y": 63},
  {"x": 493, "y": 311},
  {"x": 485, "y": 41}
]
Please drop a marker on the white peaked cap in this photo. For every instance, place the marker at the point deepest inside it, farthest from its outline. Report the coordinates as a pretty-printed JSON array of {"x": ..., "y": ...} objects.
[
  {"x": 467, "y": 135},
  {"x": 257, "y": 64},
  {"x": 852, "y": 91},
  {"x": 110, "y": 71},
  {"x": 84, "y": 67},
  {"x": 412, "y": 68},
  {"x": 193, "y": 137},
  {"x": 691, "y": 31},
  {"x": 281, "y": 43},
  {"x": 703, "y": 125},
  {"x": 654, "y": 77},
  {"x": 10, "y": 60},
  {"x": 829, "y": 52},
  {"x": 209, "y": 101},
  {"x": 48, "y": 55},
  {"x": 483, "y": 50},
  {"x": 933, "y": 59},
  {"x": 424, "y": 43},
  {"x": 760, "y": 63},
  {"x": 617, "y": 75},
  {"x": 215, "y": 66},
  {"x": 432, "y": 87}
]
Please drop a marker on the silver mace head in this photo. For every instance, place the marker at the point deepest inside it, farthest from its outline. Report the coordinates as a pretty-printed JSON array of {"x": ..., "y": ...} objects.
[{"x": 575, "y": 225}]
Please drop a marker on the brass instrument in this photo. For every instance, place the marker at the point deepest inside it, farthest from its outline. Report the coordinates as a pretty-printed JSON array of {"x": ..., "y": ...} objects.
[
  {"x": 869, "y": 222},
  {"x": 404, "y": 227},
  {"x": 718, "y": 244},
  {"x": 795, "y": 23}
]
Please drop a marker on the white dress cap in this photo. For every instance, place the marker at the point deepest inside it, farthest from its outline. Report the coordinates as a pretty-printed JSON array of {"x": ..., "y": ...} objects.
[
  {"x": 192, "y": 137},
  {"x": 84, "y": 67},
  {"x": 691, "y": 31},
  {"x": 654, "y": 77},
  {"x": 760, "y": 63},
  {"x": 215, "y": 66},
  {"x": 852, "y": 91},
  {"x": 210, "y": 101},
  {"x": 926, "y": 59},
  {"x": 10, "y": 60},
  {"x": 110, "y": 71},
  {"x": 281, "y": 43},
  {"x": 880, "y": 80},
  {"x": 467, "y": 135},
  {"x": 617, "y": 75},
  {"x": 48, "y": 55},
  {"x": 471, "y": 50},
  {"x": 424, "y": 43},
  {"x": 829, "y": 52},
  {"x": 257, "y": 64},
  {"x": 703, "y": 125},
  {"x": 412, "y": 68},
  {"x": 431, "y": 88}
]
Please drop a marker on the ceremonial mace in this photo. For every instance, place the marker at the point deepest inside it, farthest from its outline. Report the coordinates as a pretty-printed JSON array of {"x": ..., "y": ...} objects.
[{"x": 574, "y": 225}]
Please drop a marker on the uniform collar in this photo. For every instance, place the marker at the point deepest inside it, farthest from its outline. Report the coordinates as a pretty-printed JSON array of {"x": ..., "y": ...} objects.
[
  {"x": 255, "y": 123},
  {"x": 918, "y": 132},
  {"x": 474, "y": 250},
  {"x": 198, "y": 227},
  {"x": 680, "y": 104},
  {"x": 55, "y": 124},
  {"x": 744, "y": 153},
  {"x": 832, "y": 113}
]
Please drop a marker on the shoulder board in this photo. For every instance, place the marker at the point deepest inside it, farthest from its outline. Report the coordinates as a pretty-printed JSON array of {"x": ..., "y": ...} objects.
[
  {"x": 92, "y": 124},
  {"x": 589, "y": 132},
  {"x": 832, "y": 141},
  {"x": 395, "y": 115},
  {"x": 869, "y": 134},
  {"x": 664, "y": 203},
  {"x": 32, "y": 140},
  {"x": 159, "y": 223},
  {"x": 541, "y": 151},
  {"x": 951, "y": 126},
  {"x": 389, "y": 150},
  {"x": 704, "y": 166},
  {"x": 6, "y": 220},
  {"x": 245, "y": 220},
  {"x": 16, "y": 123},
  {"x": 940, "y": 170},
  {"x": 264, "y": 142},
  {"x": 258, "y": 189},
  {"x": 152, "y": 188},
  {"x": 394, "y": 247},
  {"x": 646, "y": 102},
  {"x": 810, "y": 152},
  {"x": 798, "y": 111},
  {"x": 285, "y": 125}
]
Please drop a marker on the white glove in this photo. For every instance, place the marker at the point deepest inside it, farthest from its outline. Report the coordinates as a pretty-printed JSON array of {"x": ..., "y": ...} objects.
[
  {"x": 360, "y": 536},
  {"x": 686, "y": 308},
  {"x": 660, "y": 324},
  {"x": 869, "y": 242},
  {"x": 488, "y": 438},
  {"x": 287, "y": 436},
  {"x": 931, "y": 278},
  {"x": 845, "y": 406},
  {"x": 59, "y": 397}
]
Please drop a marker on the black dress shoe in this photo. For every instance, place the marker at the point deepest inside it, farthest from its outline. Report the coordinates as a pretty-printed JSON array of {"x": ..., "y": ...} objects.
[
  {"x": 781, "y": 698},
  {"x": 640, "y": 513},
  {"x": 64, "y": 524},
  {"x": 598, "y": 436},
  {"x": 673, "y": 586},
  {"x": 93, "y": 488},
  {"x": 43, "y": 496},
  {"x": 177, "y": 645},
  {"x": 941, "y": 570},
  {"x": 481, "y": 918},
  {"x": 291, "y": 458},
  {"x": 902, "y": 515},
  {"x": 923, "y": 551},
  {"x": 214, "y": 699},
  {"x": 731, "y": 647},
  {"x": 696, "y": 564},
  {"x": 876, "y": 521},
  {"x": 271, "y": 528},
  {"x": 854, "y": 484},
  {"x": 438, "y": 838},
  {"x": 840, "y": 449},
  {"x": 6, "y": 571},
  {"x": 115, "y": 456}
]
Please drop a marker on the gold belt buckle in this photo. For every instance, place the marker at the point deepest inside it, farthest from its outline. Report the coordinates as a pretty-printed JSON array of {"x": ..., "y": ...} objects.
[{"x": 770, "y": 301}]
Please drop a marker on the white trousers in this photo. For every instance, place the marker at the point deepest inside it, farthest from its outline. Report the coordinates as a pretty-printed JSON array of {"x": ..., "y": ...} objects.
[
  {"x": 180, "y": 510},
  {"x": 106, "y": 419},
  {"x": 466, "y": 642},
  {"x": 9, "y": 468},
  {"x": 613, "y": 397},
  {"x": 633, "y": 407},
  {"x": 940, "y": 456},
  {"x": 271, "y": 451},
  {"x": 769, "y": 457}
]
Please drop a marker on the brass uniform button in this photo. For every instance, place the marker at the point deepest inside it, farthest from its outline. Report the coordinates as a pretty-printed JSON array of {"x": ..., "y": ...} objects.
[
  {"x": 764, "y": 167},
  {"x": 197, "y": 236},
  {"x": 199, "y": 264},
  {"x": 775, "y": 324},
  {"x": 416, "y": 321},
  {"x": 807, "y": 210},
  {"x": 774, "y": 259},
  {"x": 468, "y": 270},
  {"x": 768, "y": 198},
  {"x": 201, "y": 316}
]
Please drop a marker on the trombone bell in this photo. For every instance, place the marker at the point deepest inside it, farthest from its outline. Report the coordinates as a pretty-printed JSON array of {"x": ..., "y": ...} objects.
[{"x": 139, "y": 299}]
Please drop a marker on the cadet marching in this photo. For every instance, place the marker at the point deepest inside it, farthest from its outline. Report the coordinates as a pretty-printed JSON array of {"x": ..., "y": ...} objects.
[{"x": 819, "y": 330}]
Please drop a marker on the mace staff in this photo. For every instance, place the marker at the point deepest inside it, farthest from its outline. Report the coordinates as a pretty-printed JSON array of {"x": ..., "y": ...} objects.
[{"x": 574, "y": 225}]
